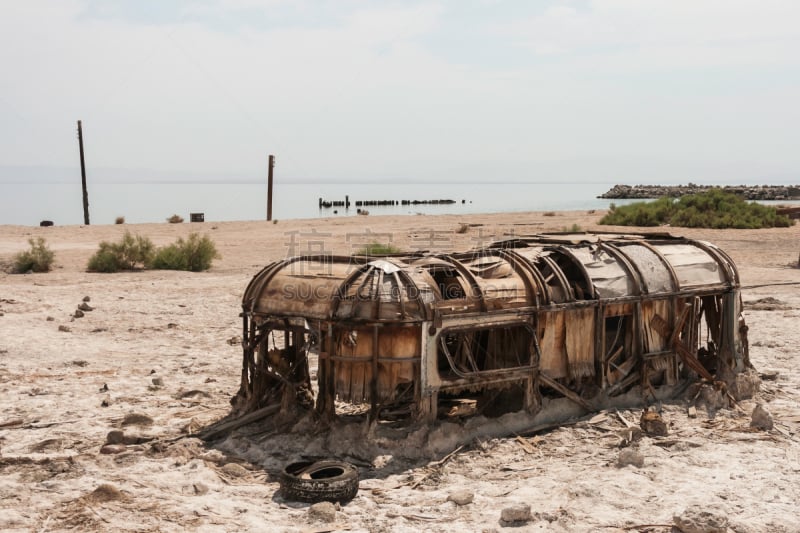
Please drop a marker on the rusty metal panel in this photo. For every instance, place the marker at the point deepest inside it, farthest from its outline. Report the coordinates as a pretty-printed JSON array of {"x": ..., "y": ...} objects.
[
  {"x": 608, "y": 276},
  {"x": 693, "y": 266},
  {"x": 656, "y": 276}
]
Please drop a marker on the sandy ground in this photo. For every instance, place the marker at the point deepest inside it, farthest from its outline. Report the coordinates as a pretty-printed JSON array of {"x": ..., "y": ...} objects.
[{"x": 156, "y": 345}]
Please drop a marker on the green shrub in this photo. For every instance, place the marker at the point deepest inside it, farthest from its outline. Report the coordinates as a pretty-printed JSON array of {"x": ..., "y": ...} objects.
[
  {"x": 710, "y": 209},
  {"x": 377, "y": 248},
  {"x": 38, "y": 259},
  {"x": 195, "y": 254},
  {"x": 129, "y": 253}
]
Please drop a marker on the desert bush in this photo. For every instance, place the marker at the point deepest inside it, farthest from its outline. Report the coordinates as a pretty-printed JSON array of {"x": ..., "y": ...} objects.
[
  {"x": 710, "y": 209},
  {"x": 175, "y": 219},
  {"x": 119, "y": 220},
  {"x": 129, "y": 253},
  {"x": 195, "y": 254},
  {"x": 462, "y": 228},
  {"x": 39, "y": 258},
  {"x": 575, "y": 228},
  {"x": 377, "y": 248}
]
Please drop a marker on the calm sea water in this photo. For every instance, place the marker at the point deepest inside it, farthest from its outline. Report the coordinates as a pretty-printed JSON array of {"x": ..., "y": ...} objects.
[{"x": 27, "y": 204}]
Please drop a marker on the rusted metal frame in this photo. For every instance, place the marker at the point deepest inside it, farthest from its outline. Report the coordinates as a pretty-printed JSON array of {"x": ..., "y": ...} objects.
[
  {"x": 325, "y": 377},
  {"x": 560, "y": 276},
  {"x": 524, "y": 270},
  {"x": 418, "y": 294},
  {"x": 586, "y": 278},
  {"x": 368, "y": 283},
  {"x": 399, "y": 294},
  {"x": 340, "y": 293},
  {"x": 450, "y": 386},
  {"x": 723, "y": 260},
  {"x": 373, "y": 401},
  {"x": 533, "y": 399},
  {"x": 248, "y": 292},
  {"x": 378, "y": 289},
  {"x": 247, "y": 358},
  {"x": 471, "y": 279},
  {"x": 471, "y": 329},
  {"x": 672, "y": 274},
  {"x": 633, "y": 270}
]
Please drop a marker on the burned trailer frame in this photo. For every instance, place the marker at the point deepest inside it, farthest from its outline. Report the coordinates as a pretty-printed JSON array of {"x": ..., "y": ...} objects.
[{"x": 521, "y": 323}]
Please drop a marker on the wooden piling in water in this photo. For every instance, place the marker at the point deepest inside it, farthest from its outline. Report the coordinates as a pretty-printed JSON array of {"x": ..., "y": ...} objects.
[
  {"x": 83, "y": 176},
  {"x": 269, "y": 186}
]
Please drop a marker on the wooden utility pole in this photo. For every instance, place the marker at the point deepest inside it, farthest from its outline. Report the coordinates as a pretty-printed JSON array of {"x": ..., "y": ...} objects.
[
  {"x": 83, "y": 177},
  {"x": 269, "y": 187}
]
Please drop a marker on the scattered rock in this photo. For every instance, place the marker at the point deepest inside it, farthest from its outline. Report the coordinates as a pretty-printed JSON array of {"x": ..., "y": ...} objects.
[
  {"x": 461, "y": 497},
  {"x": 769, "y": 375},
  {"x": 64, "y": 328},
  {"x": 516, "y": 514},
  {"x": 200, "y": 489},
  {"x": 235, "y": 341},
  {"x": 119, "y": 437},
  {"x": 692, "y": 412},
  {"x": 107, "y": 401},
  {"x": 50, "y": 319},
  {"x": 115, "y": 437},
  {"x": 322, "y": 511},
  {"x": 629, "y": 456},
  {"x": 104, "y": 388},
  {"x": 235, "y": 469},
  {"x": 137, "y": 419},
  {"x": 78, "y": 314},
  {"x": 652, "y": 424},
  {"x": 210, "y": 380},
  {"x": 761, "y": 418},
  {"x": 701, "y": 519},
  {"x": 745, "y": 385},
  {"x": 80, "y": 362},
  {"x": 111, "y": 449},
  {"x": 172, "y": 325},
  {"x": 85, "y": 307},
  {"x": 192, "y": 393},
  {"x": 158, "y": 382},
  {"x": 106, "y": 493},
  {"x": 87, "y": 299}
]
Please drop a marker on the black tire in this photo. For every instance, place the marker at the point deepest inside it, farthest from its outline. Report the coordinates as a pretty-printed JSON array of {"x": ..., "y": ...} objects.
[{"x": 311, "y": 482}]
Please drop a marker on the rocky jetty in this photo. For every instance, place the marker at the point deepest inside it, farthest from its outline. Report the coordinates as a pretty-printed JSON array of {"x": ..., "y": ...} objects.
[{"x": 756, "y": 192}]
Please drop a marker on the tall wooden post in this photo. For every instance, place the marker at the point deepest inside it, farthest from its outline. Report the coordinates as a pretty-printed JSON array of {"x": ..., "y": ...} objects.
[
  {"x": 269, "y": 187},
  {"x": 83, "y": 177}
]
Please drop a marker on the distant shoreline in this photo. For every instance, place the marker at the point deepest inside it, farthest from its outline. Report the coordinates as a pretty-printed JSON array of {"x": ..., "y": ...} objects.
[{"x": 756, "y": 192}]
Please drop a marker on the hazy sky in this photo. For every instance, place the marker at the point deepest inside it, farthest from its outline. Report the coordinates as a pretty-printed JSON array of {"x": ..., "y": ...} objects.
[{"x": 623, "y": 91}]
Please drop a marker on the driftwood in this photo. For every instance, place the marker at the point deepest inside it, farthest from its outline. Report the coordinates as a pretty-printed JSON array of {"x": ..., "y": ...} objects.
[{"x": 230, "y": 425}]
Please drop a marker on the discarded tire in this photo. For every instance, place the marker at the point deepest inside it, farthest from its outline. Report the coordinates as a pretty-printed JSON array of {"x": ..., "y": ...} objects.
[{"x": 309, "y": 481}]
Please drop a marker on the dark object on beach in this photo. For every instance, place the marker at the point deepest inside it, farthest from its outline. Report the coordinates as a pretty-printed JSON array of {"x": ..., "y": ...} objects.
[
  {"x": 308, "y": 481},
  {"x": 46, "y": 223}
]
